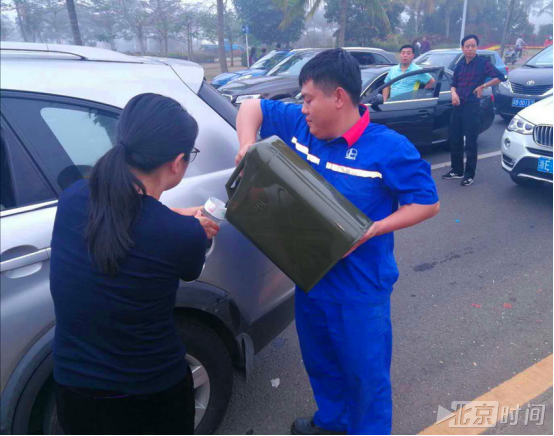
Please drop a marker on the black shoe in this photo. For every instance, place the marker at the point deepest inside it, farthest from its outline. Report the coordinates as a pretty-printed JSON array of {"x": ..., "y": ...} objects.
[
  {"x": 467, "y": 181},
  {"x": 452, "y": 175},
  {"x": 307, "y": 426}
]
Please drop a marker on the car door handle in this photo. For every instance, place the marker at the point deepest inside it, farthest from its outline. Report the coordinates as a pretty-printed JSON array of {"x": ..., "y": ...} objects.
[{"x": 17, "y": 258}]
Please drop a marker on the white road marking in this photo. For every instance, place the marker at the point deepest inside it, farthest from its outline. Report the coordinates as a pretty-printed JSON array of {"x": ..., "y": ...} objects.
[{"x": 481, "y": 156}]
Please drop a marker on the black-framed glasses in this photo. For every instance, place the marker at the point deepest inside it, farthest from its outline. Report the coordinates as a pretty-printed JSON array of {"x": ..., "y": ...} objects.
[{"x": 192, "y": 154}]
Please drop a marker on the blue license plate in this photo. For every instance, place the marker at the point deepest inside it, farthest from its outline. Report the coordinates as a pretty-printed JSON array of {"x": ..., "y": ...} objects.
[
  {"x": 522, "y": 102},
  {"x": 545, "y": 165}
]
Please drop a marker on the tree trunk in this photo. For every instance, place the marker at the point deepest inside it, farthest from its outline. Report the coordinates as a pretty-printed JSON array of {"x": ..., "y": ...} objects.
[
  {"x": 74, "y": 22},
  {"x": 506, "y": 27},
  {"x": 342, "y": 22},
  {"x": 449, "y": 7},
  {"x": 18, "y": 7},
  {"x": 221, "y": 37},
  {"x": 418, "y": 8},
  {"x": 232, "y": 53},
  {"x": 140, "y": 37}
]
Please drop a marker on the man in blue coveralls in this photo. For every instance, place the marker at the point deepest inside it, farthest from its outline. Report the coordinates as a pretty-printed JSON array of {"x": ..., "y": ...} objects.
[{"x": 344, "y": 322}]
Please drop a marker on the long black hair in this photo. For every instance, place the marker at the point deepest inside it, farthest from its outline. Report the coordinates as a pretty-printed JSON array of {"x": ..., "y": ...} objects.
[{"x": 152, "y": 130}]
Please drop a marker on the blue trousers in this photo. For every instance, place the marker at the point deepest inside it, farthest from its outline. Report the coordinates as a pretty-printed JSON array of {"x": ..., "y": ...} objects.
[{"x": 347, "y": 350}]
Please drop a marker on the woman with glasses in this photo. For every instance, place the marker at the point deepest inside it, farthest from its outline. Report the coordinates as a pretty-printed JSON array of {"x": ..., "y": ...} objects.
[{"x": 117, "y": 257}]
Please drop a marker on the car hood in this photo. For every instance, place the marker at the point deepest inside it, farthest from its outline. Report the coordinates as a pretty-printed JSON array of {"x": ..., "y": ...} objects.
[
  {"x": 539, "y": 112},
  {"x": 259, "y": 85},
  {"x": 541, "y": 76},
  {"x": 236, "y": 74}
]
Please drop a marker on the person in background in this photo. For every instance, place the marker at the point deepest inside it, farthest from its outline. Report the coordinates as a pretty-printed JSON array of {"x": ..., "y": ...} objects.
[
  {"x": 417, "y": 47},
  {"x": 548, "y": 41},
  {"x": 264, "y": 50},
  {"x": 344, "y": 323},
  {"x": 253, "y": 58},
  {"x": 278, "y": 46},
  {"x": 520, "y": 43},
  {"x": 468, "y": 84},
  {"x": 409, "y": 84},
  {"x": 425, "y": 45},
  {"x": 119, "y": 363}
]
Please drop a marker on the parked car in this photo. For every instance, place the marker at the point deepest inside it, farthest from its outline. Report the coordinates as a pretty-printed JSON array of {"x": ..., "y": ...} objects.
[
  {"x": 526, "y": 85},
  {"x": 282, "y": 80},
  {"x": 53, "y": 130},
  {"x": 259, "y": 68},
  {"x": 448, "y": 58},
  {"x": 422, "y": 115},
  {"x": 527, "y": 145}
]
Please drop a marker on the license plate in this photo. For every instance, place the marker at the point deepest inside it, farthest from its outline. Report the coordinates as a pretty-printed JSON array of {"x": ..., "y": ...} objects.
[
  {"x": 545, "y": 165},
  {"x": 522, "y": 102}
]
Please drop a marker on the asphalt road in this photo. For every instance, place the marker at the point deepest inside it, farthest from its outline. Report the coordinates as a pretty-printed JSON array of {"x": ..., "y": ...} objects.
[{"x": 472, "y": 307}]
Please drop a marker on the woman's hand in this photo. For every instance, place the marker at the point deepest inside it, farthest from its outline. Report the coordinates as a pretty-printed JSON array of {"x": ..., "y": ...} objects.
[
  {"x": 210, "y": 227},
  {"x": 455, "y": 99},
  {"x": 189, "y": 211}
]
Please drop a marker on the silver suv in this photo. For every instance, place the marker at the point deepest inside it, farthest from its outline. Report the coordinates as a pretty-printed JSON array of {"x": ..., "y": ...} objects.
[{"x": 59, "y": 109}]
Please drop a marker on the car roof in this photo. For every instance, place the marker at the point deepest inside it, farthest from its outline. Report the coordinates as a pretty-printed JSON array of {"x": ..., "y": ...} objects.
[
  {"x": 457, "y": 51},
  {"x": 82, "y": 72},
  {"x": 376, "y": 68},
  {"x": 345, "y": 48}
]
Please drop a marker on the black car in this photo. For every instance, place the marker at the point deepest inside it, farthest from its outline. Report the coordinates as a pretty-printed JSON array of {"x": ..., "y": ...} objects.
[
  {"x": 422, "y": 115},
  {"x": 526, "y": 85},
  {"x": 282, "y": 81}
]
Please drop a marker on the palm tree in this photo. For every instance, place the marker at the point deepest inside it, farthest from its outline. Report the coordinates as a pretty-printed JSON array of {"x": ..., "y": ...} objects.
[
  {"x": 74, "y": 22},
  {"x": 295, "y": 8}
]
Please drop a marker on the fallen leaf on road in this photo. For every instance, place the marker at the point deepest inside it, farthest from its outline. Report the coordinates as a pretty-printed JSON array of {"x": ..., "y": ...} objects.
[
  {"x": 478, "y": 306},
  {"x": 507, "y": 306}
]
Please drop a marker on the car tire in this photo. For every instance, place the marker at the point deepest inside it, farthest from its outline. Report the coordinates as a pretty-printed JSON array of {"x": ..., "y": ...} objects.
[
  {"x": 530, "y": 183},
  {"x": 507, "y": 117},
  {"x": 207, "y": 356}
]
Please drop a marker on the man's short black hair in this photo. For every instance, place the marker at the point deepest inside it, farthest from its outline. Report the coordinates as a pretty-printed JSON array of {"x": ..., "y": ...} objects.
[
  {"x": 467, "y": 37},
  {"x": 331, "y": 69},
  {"x": 407, "y": 46}
]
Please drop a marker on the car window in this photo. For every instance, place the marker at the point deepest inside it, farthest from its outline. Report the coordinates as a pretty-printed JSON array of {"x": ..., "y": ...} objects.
[
  {"x": 490, "y": 57},
  {"x": 65, "y": 139},
  {"x": 269, "y": 60},
  {"x": 436, "y": 60},
  {"x": 292, "y": 65},
  {"x": 21, "y": 182},
  {"x": 414, "y": 87},
  {"x": 542, "y": 59},
  {"x": 380, "y": 59},
  {"x": 363, "y": 58},
  {"x": 85, "y": 134}
]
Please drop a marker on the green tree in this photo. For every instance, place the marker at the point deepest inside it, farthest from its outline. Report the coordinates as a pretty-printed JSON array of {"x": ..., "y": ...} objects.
[
  {"x": 364, "y": 21},
  {"x": 374, "y": 9},
  {"x": 107, "y": 21},
  {"x": 165, "y": 19},
  {"x": 545, "y": 30},
  {"x": 264, "y": 19}
]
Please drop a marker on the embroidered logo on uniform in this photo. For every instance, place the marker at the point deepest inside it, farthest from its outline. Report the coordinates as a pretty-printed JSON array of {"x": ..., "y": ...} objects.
[{"x": 351, "y": 154}]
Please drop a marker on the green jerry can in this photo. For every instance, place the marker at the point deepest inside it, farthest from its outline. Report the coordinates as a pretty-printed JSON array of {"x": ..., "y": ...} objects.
[{"x": 291, "y": 213}]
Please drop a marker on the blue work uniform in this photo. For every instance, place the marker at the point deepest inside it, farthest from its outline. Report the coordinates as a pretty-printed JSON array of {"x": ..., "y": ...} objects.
[{"x": 344, "y": 324}]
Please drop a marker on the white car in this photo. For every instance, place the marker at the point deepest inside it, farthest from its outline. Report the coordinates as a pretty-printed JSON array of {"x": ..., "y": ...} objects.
[{"x": 527, "y": 145}]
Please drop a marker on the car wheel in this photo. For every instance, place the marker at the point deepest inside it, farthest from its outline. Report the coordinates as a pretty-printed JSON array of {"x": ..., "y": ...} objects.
[
  {"x": 523, "y": 181},
  {"x": 507, "y": 117},
  {"x": 212, "y": 372}
]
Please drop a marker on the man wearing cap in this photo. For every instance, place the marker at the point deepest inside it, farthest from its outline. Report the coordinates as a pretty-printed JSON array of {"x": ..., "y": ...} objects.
[{"x": 344, "y": 324}]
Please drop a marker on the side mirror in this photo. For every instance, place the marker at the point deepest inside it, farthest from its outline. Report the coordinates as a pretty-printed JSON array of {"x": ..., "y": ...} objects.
[{"x": 376, "y": 100}]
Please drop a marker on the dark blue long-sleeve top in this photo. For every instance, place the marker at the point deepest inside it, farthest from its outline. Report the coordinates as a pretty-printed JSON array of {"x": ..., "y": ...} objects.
[{"x": 117, "y": 333}]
